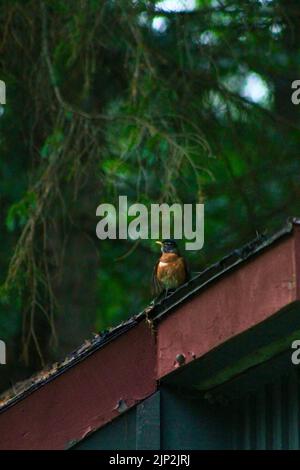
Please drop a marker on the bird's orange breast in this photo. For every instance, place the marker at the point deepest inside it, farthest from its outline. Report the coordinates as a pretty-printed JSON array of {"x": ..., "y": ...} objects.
[{"x": 171, "y": 271}]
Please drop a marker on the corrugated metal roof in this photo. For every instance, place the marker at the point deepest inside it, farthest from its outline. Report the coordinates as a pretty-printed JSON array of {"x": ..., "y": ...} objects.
[{"x": 154, "y": 311}]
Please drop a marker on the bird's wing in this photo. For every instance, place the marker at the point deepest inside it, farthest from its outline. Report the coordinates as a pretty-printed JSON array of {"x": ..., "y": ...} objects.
[{"x": 156, "y": 285}]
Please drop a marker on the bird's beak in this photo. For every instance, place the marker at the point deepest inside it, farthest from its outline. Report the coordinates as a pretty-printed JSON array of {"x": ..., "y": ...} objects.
[{"x": 159, "y": 242}]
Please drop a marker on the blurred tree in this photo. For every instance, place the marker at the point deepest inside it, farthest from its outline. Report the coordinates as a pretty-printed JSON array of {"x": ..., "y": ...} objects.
[{"x": 130, "y": 97}]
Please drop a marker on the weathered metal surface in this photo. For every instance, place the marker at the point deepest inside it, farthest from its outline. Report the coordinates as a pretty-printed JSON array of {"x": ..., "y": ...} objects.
[
  {"x": 241, "y": 300},
  {"x": 138, "y": 428},
  {"x": 148, "y": 423},
  {"x": 258, "y": 410},
  {"x": 98, "y": 341},
  {"x": 167, "y": 420},
  {"x": 85, "y": 397},
  {"x": 119, "y": 434},
  {"x": 242, "y": 352}
]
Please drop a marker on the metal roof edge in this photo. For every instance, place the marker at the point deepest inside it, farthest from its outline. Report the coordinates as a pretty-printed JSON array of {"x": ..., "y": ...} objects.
[{"x": 71, "y": 360}]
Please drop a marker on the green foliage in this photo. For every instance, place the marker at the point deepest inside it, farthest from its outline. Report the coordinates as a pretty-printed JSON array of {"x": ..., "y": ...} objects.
[
  {"x": 52, "y": 144},
  {"x": 19, "y": 212},
  {"x": 102, "y": 103}
]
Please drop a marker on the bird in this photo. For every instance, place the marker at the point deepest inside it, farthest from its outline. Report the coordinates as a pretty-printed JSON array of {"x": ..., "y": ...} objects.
[{"x": 170, "y": 270}]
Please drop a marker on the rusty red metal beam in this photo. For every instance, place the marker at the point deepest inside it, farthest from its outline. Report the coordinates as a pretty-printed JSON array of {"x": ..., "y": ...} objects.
[
  {"x": 85, "y": 397},
  {"x": 235, "y": 303}
]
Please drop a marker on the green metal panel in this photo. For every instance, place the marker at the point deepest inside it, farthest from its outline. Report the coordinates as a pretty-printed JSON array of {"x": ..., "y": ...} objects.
[
  {"x": 119, "y": 434},
  {"x": 188, "y": 421},
  {"x": 148, "y": 423},
  {"x": 269, "y": 418},
  {"x": 138, "y": 428}
]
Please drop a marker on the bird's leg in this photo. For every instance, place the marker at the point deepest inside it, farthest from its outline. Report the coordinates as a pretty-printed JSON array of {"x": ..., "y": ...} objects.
[
  {"x": 158, "y": 298},
  {"x": 169, "y": 291},
  {"x": 162, "y": 296}
]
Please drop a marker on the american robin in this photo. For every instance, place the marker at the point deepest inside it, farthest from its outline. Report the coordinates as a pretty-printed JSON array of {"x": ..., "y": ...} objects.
[{"x": 171, "y": 270}]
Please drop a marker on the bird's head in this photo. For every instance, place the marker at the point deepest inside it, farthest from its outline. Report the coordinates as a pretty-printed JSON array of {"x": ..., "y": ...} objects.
[{"x": 168, "y": 246}]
